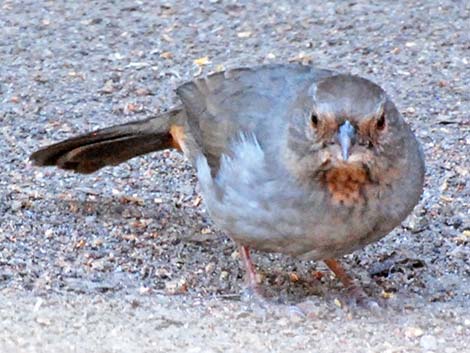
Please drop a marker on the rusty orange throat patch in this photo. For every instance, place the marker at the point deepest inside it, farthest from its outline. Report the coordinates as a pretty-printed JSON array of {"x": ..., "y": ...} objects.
[{"x": 345, "y": 183}]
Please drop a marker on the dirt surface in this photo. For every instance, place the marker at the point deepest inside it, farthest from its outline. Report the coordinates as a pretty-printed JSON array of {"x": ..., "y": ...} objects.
[{"x": 127, "y": 259}]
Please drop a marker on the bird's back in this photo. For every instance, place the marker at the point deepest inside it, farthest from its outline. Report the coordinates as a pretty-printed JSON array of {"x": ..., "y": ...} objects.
[{"x": 249, "y": 100}]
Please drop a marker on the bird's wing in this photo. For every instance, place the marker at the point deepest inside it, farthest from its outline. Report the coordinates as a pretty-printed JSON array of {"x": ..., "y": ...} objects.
[{"x": 248, "y": 100}]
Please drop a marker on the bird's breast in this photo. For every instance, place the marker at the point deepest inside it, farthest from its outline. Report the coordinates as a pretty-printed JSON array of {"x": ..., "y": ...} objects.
[{"x": 259, "y": 204}]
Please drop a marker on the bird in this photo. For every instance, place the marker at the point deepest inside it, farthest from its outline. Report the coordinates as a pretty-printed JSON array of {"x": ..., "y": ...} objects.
[{"x": 290, "y": 159}]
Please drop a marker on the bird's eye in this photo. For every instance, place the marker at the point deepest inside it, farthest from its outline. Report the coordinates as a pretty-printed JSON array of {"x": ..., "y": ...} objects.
[
  {"x": 380, "y": 123},
  {"x": 314, "y": 119}
]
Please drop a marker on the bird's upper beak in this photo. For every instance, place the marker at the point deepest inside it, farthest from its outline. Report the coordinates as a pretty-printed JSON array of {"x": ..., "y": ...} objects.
[{"x": 346, "y": 137}]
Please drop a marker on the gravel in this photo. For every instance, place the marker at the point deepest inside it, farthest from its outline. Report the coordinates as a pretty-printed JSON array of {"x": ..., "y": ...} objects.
[{"x": 127, "y": 259}]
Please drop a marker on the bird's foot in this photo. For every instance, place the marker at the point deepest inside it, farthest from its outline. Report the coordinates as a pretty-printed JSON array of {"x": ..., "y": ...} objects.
[
  {"x": 264, "y": 307},
  {"x": 254, "y": 297},
  {"x": 356, "y": 297}
]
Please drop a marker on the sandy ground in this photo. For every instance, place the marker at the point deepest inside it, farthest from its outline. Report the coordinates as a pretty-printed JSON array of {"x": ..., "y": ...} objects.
[
  {"x": 84, "y": 323},
  {"x": 127, "y": 259}
]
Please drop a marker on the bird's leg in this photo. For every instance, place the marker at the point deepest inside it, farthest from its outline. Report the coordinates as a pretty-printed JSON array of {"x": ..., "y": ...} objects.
[
  {"x": 254, "y": 296},
  {"x": 339, "y": 271},
  {"x": 355, "y": 291},
  {"x": 250, "y": 274}
]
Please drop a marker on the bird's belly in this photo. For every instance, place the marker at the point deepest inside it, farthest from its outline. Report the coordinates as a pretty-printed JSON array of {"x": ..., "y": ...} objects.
[
  {"x": 312, "y": 234},
  {"x": 282, "y": 218}
]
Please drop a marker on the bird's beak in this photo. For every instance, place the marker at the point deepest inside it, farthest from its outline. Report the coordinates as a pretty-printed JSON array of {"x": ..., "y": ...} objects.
[{"x": 346, "y": 138}]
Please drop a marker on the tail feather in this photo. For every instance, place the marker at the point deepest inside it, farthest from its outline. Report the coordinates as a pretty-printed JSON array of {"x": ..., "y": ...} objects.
[{"x": 110, "y": 146}]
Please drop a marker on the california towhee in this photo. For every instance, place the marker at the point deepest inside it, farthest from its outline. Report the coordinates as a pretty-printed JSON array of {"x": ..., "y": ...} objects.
[{"x": 290, "y": 158}]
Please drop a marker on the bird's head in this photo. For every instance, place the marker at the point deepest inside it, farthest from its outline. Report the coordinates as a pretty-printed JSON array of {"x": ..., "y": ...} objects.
[{"x": 346, "y": 133}]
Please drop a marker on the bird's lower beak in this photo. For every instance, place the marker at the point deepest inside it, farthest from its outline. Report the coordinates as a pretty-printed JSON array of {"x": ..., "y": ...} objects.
[{"x": 346, "y": 138}]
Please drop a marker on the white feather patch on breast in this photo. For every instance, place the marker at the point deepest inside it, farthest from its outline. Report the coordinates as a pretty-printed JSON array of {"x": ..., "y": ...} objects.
[{"x": 252, "y": 198}]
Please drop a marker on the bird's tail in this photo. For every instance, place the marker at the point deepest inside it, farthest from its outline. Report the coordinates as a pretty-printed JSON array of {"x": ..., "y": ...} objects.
[{"x": 111, "y": 146}]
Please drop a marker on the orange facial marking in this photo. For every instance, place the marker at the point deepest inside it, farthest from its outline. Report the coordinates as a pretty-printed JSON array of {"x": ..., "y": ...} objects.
[
  {"x": 366, "y": 127},
  {"x": 326, "y": 126},
  {"x": 178, "y": 137},
  {"x": 345, "y": 183},
  {"x": 369, "y": 129}
]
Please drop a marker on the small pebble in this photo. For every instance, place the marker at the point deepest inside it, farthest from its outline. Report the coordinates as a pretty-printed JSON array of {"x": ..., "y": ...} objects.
[
  {"x": 412, "y": 332},
  {"x": 224, "y": 275},
  {"x": 16, "y": 205},
  {"x": 428, "y": 342}
]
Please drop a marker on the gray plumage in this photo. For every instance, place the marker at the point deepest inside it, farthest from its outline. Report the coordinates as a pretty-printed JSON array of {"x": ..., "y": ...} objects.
[{"x": 265, "y": 145}]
